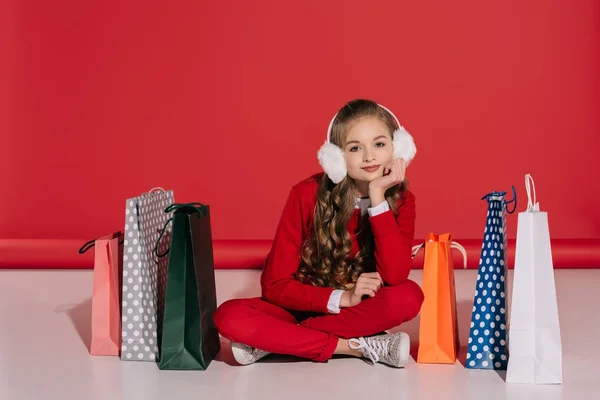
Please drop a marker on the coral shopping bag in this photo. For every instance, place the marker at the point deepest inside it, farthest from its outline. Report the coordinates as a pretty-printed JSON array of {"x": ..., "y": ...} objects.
[{"x": 106, "y": 298}]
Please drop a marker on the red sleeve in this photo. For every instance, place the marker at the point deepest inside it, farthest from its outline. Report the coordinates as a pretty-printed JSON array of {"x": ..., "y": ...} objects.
[
  {"x": 279, "y": 286},
  {"x": 393, "y": 241}
]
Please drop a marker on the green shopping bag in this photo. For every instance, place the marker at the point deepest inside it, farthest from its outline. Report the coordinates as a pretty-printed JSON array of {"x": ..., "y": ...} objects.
[{"x": 189, "y": 339}]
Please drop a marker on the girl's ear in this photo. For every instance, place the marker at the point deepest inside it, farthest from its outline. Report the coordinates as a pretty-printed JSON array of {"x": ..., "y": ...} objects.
[
  {"x": 331, "y": 158},
  {"x": 404, "y": 145}
]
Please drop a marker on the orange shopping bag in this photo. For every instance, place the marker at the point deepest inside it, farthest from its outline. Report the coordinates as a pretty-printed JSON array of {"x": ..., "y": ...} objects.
[
  {"x": 438, "y": 330},
  {"x": 106, "y": 298}
]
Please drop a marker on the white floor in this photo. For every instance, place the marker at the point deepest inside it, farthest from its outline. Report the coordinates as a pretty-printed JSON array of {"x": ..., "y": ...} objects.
[{"x": 44, "y": 328}]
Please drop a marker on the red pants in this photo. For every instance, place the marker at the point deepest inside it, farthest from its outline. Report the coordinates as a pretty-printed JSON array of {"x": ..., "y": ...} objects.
[{"x": 265, "y": 326}]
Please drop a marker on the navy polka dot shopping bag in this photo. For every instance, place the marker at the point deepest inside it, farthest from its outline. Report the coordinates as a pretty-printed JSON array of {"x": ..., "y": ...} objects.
[{"x": 486, "y": 348}]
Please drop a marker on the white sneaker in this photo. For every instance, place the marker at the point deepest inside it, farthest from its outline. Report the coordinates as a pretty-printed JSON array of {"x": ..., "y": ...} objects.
[
  {"x": 245, "y": 355},
  {"x": 392, "y": 349}
]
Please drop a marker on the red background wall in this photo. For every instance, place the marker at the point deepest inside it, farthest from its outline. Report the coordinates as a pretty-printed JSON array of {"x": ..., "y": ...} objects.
[{"x": 227, "y": 103}]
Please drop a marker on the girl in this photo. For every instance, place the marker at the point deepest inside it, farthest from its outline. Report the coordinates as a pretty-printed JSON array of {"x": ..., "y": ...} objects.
[{"x": 337, "y": 273}]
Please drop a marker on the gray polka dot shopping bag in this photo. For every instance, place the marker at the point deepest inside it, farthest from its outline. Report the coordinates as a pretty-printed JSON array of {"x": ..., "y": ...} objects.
[{"x": 144, "y": 275}]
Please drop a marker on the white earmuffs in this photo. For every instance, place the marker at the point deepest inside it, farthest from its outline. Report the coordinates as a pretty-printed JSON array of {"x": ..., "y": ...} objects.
[{"x": 331, "y": 157}]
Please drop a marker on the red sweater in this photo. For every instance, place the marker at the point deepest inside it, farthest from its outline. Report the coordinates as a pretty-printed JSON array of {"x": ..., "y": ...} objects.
[{"x": 393, "y": 242}]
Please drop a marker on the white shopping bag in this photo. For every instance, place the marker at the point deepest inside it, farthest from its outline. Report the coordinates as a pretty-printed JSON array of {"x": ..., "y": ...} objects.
[{"x": 534, "y": 344}]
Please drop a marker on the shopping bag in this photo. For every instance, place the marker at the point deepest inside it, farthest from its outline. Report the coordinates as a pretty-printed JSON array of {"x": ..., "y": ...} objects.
[
  {"x": 438, "y": 328},
  {"x": 106, "y": 297},
  {"x": 486, "y": 347},
  {"x": 190, "y": 340},
  {"x": 143, "y": 275},
  {"x": 534, "y": 332}
]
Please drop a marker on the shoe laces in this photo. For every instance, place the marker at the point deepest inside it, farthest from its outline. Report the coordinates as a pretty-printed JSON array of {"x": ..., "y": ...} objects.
[
  {"x": 257, "y": 352},
  {"x": 372, "y": 348},
  {"x": 252, "y": 351}
]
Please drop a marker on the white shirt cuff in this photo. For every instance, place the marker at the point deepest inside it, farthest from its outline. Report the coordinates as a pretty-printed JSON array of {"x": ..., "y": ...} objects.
[
  {"x": 379, "y": 209},
  {"x": 333, "y": 305}
]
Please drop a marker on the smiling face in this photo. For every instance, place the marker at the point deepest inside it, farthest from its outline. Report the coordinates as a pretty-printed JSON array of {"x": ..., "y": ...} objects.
[{"x": 367, "y": 149}]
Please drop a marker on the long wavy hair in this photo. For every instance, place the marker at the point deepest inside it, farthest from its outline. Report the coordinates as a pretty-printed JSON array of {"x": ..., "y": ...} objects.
[{"x": 326, "y": 258}]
